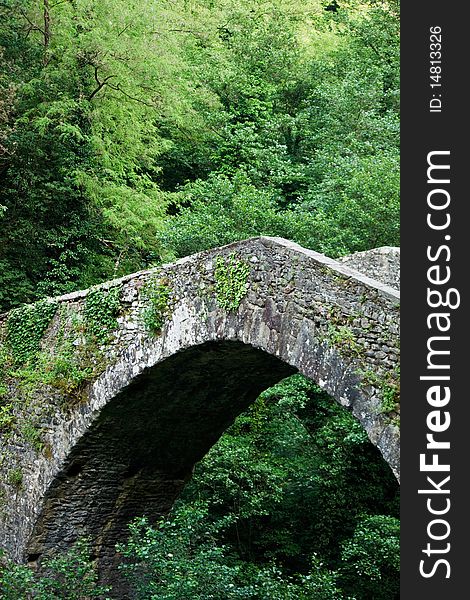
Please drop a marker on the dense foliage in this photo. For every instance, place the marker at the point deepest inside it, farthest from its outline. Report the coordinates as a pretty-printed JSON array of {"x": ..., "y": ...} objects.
[
  {"x": 132, "y": 133},
  {"x": 70, "y": 576},
  {"x": 292, "y": 502},
  {"x": 292, "y": 497}
]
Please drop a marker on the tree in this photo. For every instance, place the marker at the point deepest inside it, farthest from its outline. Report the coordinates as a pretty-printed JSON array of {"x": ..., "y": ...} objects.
[
  {"x": 70, "y": 576},
  {"x": 278, "y": 508},
  {"x": 371, "y": 558}
]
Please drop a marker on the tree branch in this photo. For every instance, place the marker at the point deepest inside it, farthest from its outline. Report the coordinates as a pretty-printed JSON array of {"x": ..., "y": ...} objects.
[
  {"x": 197, "y": 34},
  {"x": 124, "y": 30},
  {"x": 33, "y": 26},
  {"x": 100, "y": 85},
  {"x": 118, "y": 88},
  {"x": 47, "y": 24}
]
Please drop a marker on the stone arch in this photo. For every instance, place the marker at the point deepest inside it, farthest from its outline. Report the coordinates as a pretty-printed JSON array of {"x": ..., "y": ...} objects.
[{"x": 164, "y": 399}]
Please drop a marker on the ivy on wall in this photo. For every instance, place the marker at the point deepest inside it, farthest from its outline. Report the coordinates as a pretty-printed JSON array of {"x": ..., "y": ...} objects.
[
  {"x": 101, "y": 311},
  {"x": 231, "y": 277},
  {"x": 157, "y": 294},
  {"x": 70, "y": 360},
  {"x": 25, "y": 327}
]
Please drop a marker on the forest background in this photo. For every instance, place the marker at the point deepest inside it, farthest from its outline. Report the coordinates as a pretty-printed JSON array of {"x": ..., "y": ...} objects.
[{"x": 136, "y": 132}]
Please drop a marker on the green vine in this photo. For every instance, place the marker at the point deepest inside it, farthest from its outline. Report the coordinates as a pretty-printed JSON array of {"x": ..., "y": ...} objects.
[
  {"x": 231, "y": 276},
  {"x": 344, "y": 339},
  {"x": 390, "y": 397},
  {"x": 7, "y": 418},
  {"x": 390, "y": 389},
  {"x": 68, "y": 375},
  {"x": 388, "y": 386},
  {"x": 32, "y": 433},
  {"x": 100, "y": 311},
  {"x": 77, "y": 357},
  {"x": 25, "y": 327},
  {"x": 157, "y": 294},
  {"x": 72, "y": 357},
  {"x": 15, "y": 478}
]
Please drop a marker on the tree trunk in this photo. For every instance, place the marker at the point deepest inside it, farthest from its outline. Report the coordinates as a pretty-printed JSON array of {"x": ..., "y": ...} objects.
[{"x": 47, "y": 28}]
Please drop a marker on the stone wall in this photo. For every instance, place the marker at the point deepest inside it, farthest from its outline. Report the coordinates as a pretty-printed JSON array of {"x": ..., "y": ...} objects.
[
  {"x": 152, "y": 400},
  {"x": 382, "y": 264}
]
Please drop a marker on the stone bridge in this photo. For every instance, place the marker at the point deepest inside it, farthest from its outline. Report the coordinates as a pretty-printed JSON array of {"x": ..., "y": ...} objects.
[{"x": 112, "y": 394}]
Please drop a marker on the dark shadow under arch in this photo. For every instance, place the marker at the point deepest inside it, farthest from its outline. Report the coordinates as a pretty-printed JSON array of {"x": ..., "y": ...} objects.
[{"x": 140, "y": 451}]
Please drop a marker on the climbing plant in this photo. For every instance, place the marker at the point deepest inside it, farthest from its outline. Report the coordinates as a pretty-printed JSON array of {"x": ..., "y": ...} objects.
[
  {"x": 15, "y": 477},
  {"x": 157, "y": 294},
  {"x": 6, "y": 418},
  {"x": 343, "y": 338},
  {"x": 388, "y": 384},
  {"x": 231, "y": 276},
  {"x": 26, "y": 326},
  {"x": 100, "y": 312}
]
